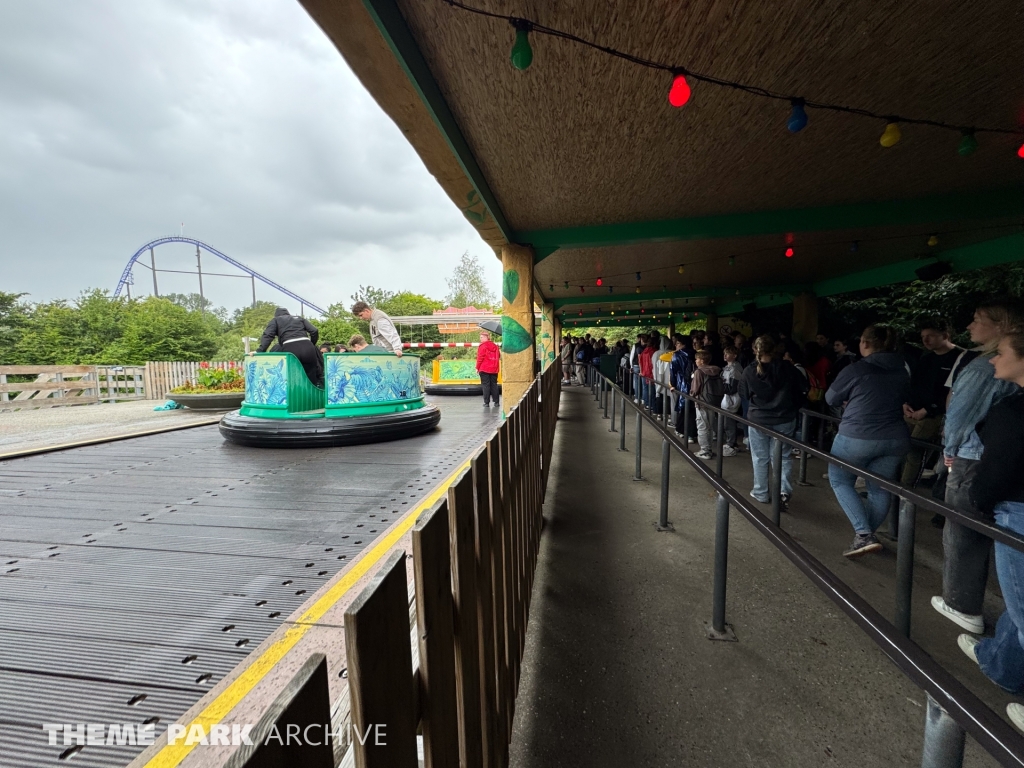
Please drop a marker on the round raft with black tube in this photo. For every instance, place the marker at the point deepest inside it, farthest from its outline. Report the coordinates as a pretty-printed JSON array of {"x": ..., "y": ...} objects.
[
  {"x": 367, "y": 398},
  {"x": 455, "y": 377}
]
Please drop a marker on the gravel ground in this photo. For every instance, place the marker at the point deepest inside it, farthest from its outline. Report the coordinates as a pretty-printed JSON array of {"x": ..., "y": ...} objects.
[{"x": 20, "y": 430}]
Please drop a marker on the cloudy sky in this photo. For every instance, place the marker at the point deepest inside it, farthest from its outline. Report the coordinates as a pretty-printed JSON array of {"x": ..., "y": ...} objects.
[{"x": 121, "y": 120}]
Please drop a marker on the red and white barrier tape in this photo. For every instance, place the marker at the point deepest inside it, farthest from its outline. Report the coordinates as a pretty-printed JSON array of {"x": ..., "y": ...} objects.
[{"x": 439, "y": 344}]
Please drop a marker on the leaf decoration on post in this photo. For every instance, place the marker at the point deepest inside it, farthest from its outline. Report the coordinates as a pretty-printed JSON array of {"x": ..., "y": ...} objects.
[
  {"x": 510, "y": 286},
  {"x": 514, "y": 338}
]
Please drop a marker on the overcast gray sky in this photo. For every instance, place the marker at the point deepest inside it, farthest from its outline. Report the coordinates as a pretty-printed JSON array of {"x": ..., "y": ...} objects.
[{"x": 121, "y": 120}]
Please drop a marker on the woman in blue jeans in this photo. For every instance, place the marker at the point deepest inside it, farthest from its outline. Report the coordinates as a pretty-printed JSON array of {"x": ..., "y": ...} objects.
[
  {"x": 998, "y": 488},
  {"x": 873, "y": 434}
]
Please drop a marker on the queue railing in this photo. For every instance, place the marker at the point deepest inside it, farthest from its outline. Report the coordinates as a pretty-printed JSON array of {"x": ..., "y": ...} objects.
[{"x": 952, "y": 711}]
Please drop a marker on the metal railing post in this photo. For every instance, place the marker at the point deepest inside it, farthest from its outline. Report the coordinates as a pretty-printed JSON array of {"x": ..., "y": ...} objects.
[
  {"x": 805, "y": 435},
  {"x": 622, "y": 426},
  {"x": 894, "y": 517},
  {"x": 666, "y": 456},
  {"x": 943, "y": 739},
  {"x": 639, "y": 436},
  {"x": 686, "y": 422},
  {"x": 776, "y": 476},
  {"x": 605, "y": 395},
  {"x": 905, "y": 567},
  {"x": 719, "y": 630},
  {"x": 719, "y": 442},
  {"x": 614, "y": 399}
]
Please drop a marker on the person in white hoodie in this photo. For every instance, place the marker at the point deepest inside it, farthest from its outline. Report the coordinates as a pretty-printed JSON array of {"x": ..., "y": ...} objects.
[
  {"x": 661, "y": 364},
  {"x": 731, "y": 374}
]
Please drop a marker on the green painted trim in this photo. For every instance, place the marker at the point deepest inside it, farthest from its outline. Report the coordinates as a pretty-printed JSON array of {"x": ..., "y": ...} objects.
[
  {"x": 989, "y": 204},
  {"x": 348, "y": 410},
  {"x": 279, "y": 412},
  {"x": 392, "y": 26},
  {"x": 985, "y": 254},
  {"x": 539, "y": 254},
  {"x": 626, "y": 298}
]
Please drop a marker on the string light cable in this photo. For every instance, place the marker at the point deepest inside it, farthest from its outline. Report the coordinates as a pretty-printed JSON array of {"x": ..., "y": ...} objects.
[{"x": 679, "y": 90}]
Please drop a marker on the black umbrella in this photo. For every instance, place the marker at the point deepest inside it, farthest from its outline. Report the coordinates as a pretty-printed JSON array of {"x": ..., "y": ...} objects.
[{"x": 494, "y": 326}]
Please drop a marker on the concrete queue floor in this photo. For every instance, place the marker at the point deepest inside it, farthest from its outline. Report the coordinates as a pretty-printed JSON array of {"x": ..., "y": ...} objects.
[{"x": 618, "y": 671}]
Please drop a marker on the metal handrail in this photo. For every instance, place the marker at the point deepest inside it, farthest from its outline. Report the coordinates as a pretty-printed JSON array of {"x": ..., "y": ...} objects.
[{"x": 952, "y": 708}]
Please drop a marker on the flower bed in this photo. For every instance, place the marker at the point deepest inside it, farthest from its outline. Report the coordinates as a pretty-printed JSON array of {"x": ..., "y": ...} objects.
[{"x": 214, "y": 381}]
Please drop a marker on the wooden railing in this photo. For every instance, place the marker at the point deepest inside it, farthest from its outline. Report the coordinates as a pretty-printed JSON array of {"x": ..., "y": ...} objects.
[
  {"x": 474, "y": 557},
  {"x": 48, "y": 385},
  {"x": 163, "y": 376}
]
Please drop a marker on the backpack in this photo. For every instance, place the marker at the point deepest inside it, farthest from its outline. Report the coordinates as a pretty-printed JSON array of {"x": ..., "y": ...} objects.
[
  {"x": 581, "y": 355},
  {"x": 713, "y": 390},
  {"x": 815, "y": 388}
]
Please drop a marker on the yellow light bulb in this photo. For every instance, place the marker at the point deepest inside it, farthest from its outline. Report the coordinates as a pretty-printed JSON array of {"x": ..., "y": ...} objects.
[
  {"x": 681, "y": 269},
  {"x": 891, "y": 135},
  {"x": 933, "y": 241},
  {"x": 638, "y": 290}
]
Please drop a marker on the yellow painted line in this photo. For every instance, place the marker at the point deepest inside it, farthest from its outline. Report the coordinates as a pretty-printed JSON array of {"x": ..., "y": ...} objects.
[
  {"x": 107, "y": 439},
  {"x": 170, "y": 756}
]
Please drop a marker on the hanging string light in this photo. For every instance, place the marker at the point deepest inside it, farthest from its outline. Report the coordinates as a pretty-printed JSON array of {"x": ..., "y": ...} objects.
[
  {"x": 789, "y": 253},
  {"x": 891, "y": 135},
  {"x": 933, "y": 241},
  {"x": 797, "y": 116},
  {"x": 638, "y": 276},
  {"x": 682, "y": 268},
  {"x": 679, "y": 93},
  {"x": 567, "y": 285},
  {"x": 522, "y": 53},
  {"x": 581, "y": 289},
  {"x": 732, "y": 261},
  {"x": 600, "y": 282},
  {"x": 967, "y": 144},
  {"x": 680, "y": 90},
  {"x": 638, "y": 290},
  {"x": 855, "y": 246}
]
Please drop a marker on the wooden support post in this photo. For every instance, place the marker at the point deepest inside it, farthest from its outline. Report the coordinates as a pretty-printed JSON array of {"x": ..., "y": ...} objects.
[
  {"x": 805, "y": 317},
  {"x": 517, "y": 331},
  {"x": 547, "y": 342},
  {"x": 493, "y": 452},
  {"x": 485, "y": 608}
]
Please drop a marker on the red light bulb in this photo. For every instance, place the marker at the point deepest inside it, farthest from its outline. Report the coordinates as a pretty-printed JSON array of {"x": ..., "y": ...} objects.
[
  {"x": 1020, "y": 152},
  {"x": 679, "y": 93},
  {"x": 789, "y": 253},
  {"x": 600, "y": 281}
]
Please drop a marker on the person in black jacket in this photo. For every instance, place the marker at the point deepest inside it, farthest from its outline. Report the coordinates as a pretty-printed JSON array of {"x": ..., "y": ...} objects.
[
  {"x": 998, "y": 490},
  {"x": 298, "y": 336},
  {"x": 775, "y": 391}
]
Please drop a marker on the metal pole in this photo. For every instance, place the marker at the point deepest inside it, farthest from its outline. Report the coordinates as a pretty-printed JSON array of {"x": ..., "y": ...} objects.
[
  {"x": 622, "y": 426},
  {"x": 199, "y": 266},
  {"x": 719, "y": 442},
  {"x": 128, "y": 287},
  {"x": 607, "y": 397},
  {"x": 253, "y": 277},
  {"x": 686, "y": 422},
  {"x": 776, "y": 470},
  {"x": 721, "y": 563},
  {"x": 614, "y": 399},
  {"x": 152, "y": 265},
  {"x": 639, "y": 435},
  {"x": 805, "y": 435},
  {"x": 666, "y": 406},
  {"x": 894, "y": 517},
  {"x": 943, "y": 739},
  {"x": 666, "y": 455},
  {"x": 905, "y": 567}
]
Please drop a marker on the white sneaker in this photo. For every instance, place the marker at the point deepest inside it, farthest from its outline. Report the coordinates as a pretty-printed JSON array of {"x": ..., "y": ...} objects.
[
  {"x": 975, "y": 624},
  {"x": 705, "y": 455},
  {"x": 759, "y": 501},
  {"x": 860, "y": 484},
  {"x": 728, "y": 450},
  {"x": 825, "y": 476},
  {"x": 968, "y": 644},
  {"x": 1015, "y": 712}
]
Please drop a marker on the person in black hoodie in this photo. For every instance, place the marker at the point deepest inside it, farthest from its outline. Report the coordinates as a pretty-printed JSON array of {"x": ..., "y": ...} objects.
[
  {"x": 298, "y": 336},
  {"x": 873, "y": 434},
  {"x": 775, "y": 391},
  {"x": 998, "y": 490}
]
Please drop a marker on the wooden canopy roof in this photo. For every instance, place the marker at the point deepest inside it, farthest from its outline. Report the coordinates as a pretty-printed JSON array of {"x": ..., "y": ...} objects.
[{"x": 582, "y": 156}]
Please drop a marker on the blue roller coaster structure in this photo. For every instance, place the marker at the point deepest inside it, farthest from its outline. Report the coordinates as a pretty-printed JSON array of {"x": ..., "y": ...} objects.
[{"x": 126, "y": 276}]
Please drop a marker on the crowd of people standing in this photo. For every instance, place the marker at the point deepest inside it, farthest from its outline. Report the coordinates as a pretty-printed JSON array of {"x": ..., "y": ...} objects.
[{"x": 969, "y": 403}]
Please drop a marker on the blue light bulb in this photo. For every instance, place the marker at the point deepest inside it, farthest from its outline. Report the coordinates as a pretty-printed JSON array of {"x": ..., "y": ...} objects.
[{"x": 798, "y": 117}]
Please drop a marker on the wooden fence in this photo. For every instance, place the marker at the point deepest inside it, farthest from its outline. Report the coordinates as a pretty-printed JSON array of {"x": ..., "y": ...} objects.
[
  {"x": 474, "y": 557},
  {"x": 163, "y": 376},
  {"x": 48, "y": 385}
]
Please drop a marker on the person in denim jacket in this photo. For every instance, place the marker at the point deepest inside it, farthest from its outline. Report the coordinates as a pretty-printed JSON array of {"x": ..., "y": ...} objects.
[
  {"x": 998, "y": 490},
  {"x": 976, "y": 390}
]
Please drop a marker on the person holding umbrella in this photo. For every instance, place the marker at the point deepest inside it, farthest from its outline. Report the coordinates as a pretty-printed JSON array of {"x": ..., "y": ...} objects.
[{"x": 488, "y": 362}]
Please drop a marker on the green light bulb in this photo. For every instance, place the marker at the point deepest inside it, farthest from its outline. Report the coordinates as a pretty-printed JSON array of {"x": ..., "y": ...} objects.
[
  {"x": 967, "y": 145},
  {"x": 522, "y": 53}
]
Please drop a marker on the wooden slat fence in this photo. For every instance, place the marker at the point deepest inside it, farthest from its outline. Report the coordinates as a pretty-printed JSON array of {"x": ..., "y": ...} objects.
[
  {"x": 163, "y": 376},
  {"x": 47, "y": 385},
  {"x": 121, "y": 382},
  {"x": 474, "y": 557}
]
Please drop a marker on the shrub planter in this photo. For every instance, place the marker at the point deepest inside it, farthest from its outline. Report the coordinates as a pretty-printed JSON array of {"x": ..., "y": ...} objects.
[{"x": 213, "y": 401}]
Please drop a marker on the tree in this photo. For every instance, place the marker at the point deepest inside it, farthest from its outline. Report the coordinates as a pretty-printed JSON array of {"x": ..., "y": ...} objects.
[
  {"x": 467, "y": 287},
  {"x": 14, "y": 316},
  {"x": 157, "y": 329}
]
